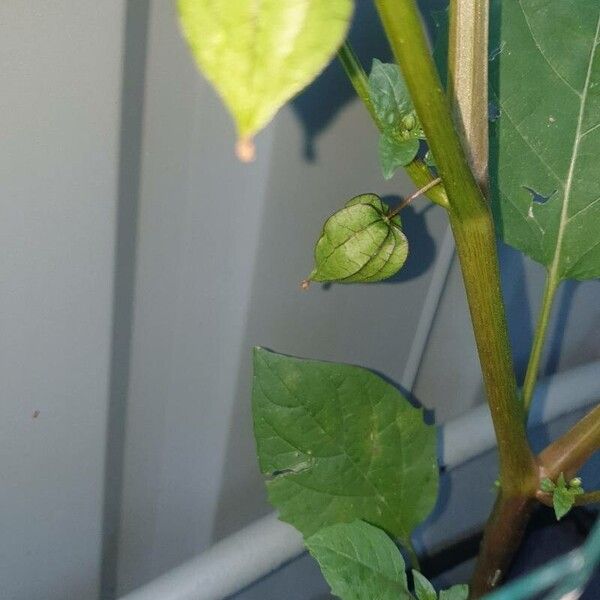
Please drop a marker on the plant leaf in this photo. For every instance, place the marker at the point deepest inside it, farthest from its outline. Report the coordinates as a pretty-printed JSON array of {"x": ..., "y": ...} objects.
[
  {"x": 339, "y": 443},
  {"x": 401, "y": 129},
  {"x": 360, "y": 243},
  {"x": 258, "y": 54},
  {"x": 456, "y": 592},
  {"x": 563, "y": 501},
  {"x": 395, "y": 153},
  {"x": 547, "y": 485},
  {"x": 563, "y": 493},
  {"x": 545, "y": 75},
  {"x": 389, "y": 94},
  {"x": 423, "y": 588},
  {"x": 359, "y": 562}
]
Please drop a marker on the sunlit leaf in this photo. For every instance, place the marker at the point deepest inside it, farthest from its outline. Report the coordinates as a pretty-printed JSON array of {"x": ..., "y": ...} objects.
[{"x": 260, "y": 53}]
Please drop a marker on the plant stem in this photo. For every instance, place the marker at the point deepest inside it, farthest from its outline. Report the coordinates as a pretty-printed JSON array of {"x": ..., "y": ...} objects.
[
  {"x": 473, "y": 230},
  {"x": 581, "y": 500},
  {"x": 358, "y": 78},
  {"x": 414, "y": 196},
  {"x": 588, "y": 498},
  {"x": 417, "y": 169},
  {"x": 468, "y": 80},
  {"x": 541, "y": 329},
  {"x": 503, "y": 534},
  {"x": 569, "y": 452}
]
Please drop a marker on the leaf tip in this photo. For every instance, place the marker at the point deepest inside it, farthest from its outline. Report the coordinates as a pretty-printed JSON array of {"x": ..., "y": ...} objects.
[{"x": 245, "y": 149}]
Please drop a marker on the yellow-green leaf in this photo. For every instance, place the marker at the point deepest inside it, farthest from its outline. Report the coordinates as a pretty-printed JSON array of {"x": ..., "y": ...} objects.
[{"x": 260, "y": 53}]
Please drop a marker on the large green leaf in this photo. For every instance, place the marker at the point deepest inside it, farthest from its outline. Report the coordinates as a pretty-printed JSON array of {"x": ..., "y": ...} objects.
[
  {"x": 260, "y": 53},
  {"x": 360, "y": 243},
  {"x": 545, "y": 79},
  {"x": 360, "y": 562},
  {"x": 339, "y": 443}
]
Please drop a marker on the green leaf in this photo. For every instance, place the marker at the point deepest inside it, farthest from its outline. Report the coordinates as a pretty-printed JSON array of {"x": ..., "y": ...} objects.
[
  {"x": 339, "y": 443},
  {"x": 425, "y": 591},
  {"x": 456, "y": 592},
  {"x": 360, "y": 243},
  {"x": 547, "y": 485},
  {"x": 389, "y": 94},
  {"x": 563, "y": 493},
  {"x": 359, "y": 562},
  {"x": 545, "y": 74},
  {"x": 401, "y": 129},
  {"x": 562, "y": 501},
  {"x": 260, "y": 54},
  {"x": 423, "y": 588},
  {"x": 394, "y": 153}
]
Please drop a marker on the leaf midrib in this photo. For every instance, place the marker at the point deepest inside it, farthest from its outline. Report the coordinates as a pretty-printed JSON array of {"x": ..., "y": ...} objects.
[{"x": 555, "y": 277}]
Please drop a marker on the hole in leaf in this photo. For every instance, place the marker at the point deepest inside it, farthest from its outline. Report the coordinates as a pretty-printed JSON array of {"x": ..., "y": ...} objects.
[
  {"x": 538, "y": 198},
  {"x": 302, "y": 466}
]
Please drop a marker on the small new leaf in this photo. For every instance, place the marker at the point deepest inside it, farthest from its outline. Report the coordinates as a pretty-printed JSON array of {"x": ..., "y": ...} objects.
[
  {"x": 547, "y": 485},
  {"x": 389, "y": 94},
  {"x": 401, "y": 129},
  {"x": 359, "y": 562},
  {"x": 563, "y": 493},
  {"x": 360, "y": 243},
  {"x": 395, "y": 153}
]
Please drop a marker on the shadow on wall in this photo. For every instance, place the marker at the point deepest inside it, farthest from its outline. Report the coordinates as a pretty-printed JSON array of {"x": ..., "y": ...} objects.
[{"x": 318, "y": 105}]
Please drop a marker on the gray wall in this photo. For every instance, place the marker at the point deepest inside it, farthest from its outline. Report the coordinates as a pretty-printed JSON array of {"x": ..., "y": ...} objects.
[
  {"x": 59, "y": 121},
  {"x": 141, "y": 264}
]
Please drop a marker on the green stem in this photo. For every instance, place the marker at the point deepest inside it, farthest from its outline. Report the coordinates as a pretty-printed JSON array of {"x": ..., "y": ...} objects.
[
  {"x": 473, "y": 230},
  {"x": 414, "y": 196},
  {"x": 358, "y": 78},
  {"x": 569, "y": 452},
  {"x": 541, "y": 330},
  {"x": 588, "y": 498},
  {"x": 581, "y": 500},
  {"x": 417, "y": 169}
]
